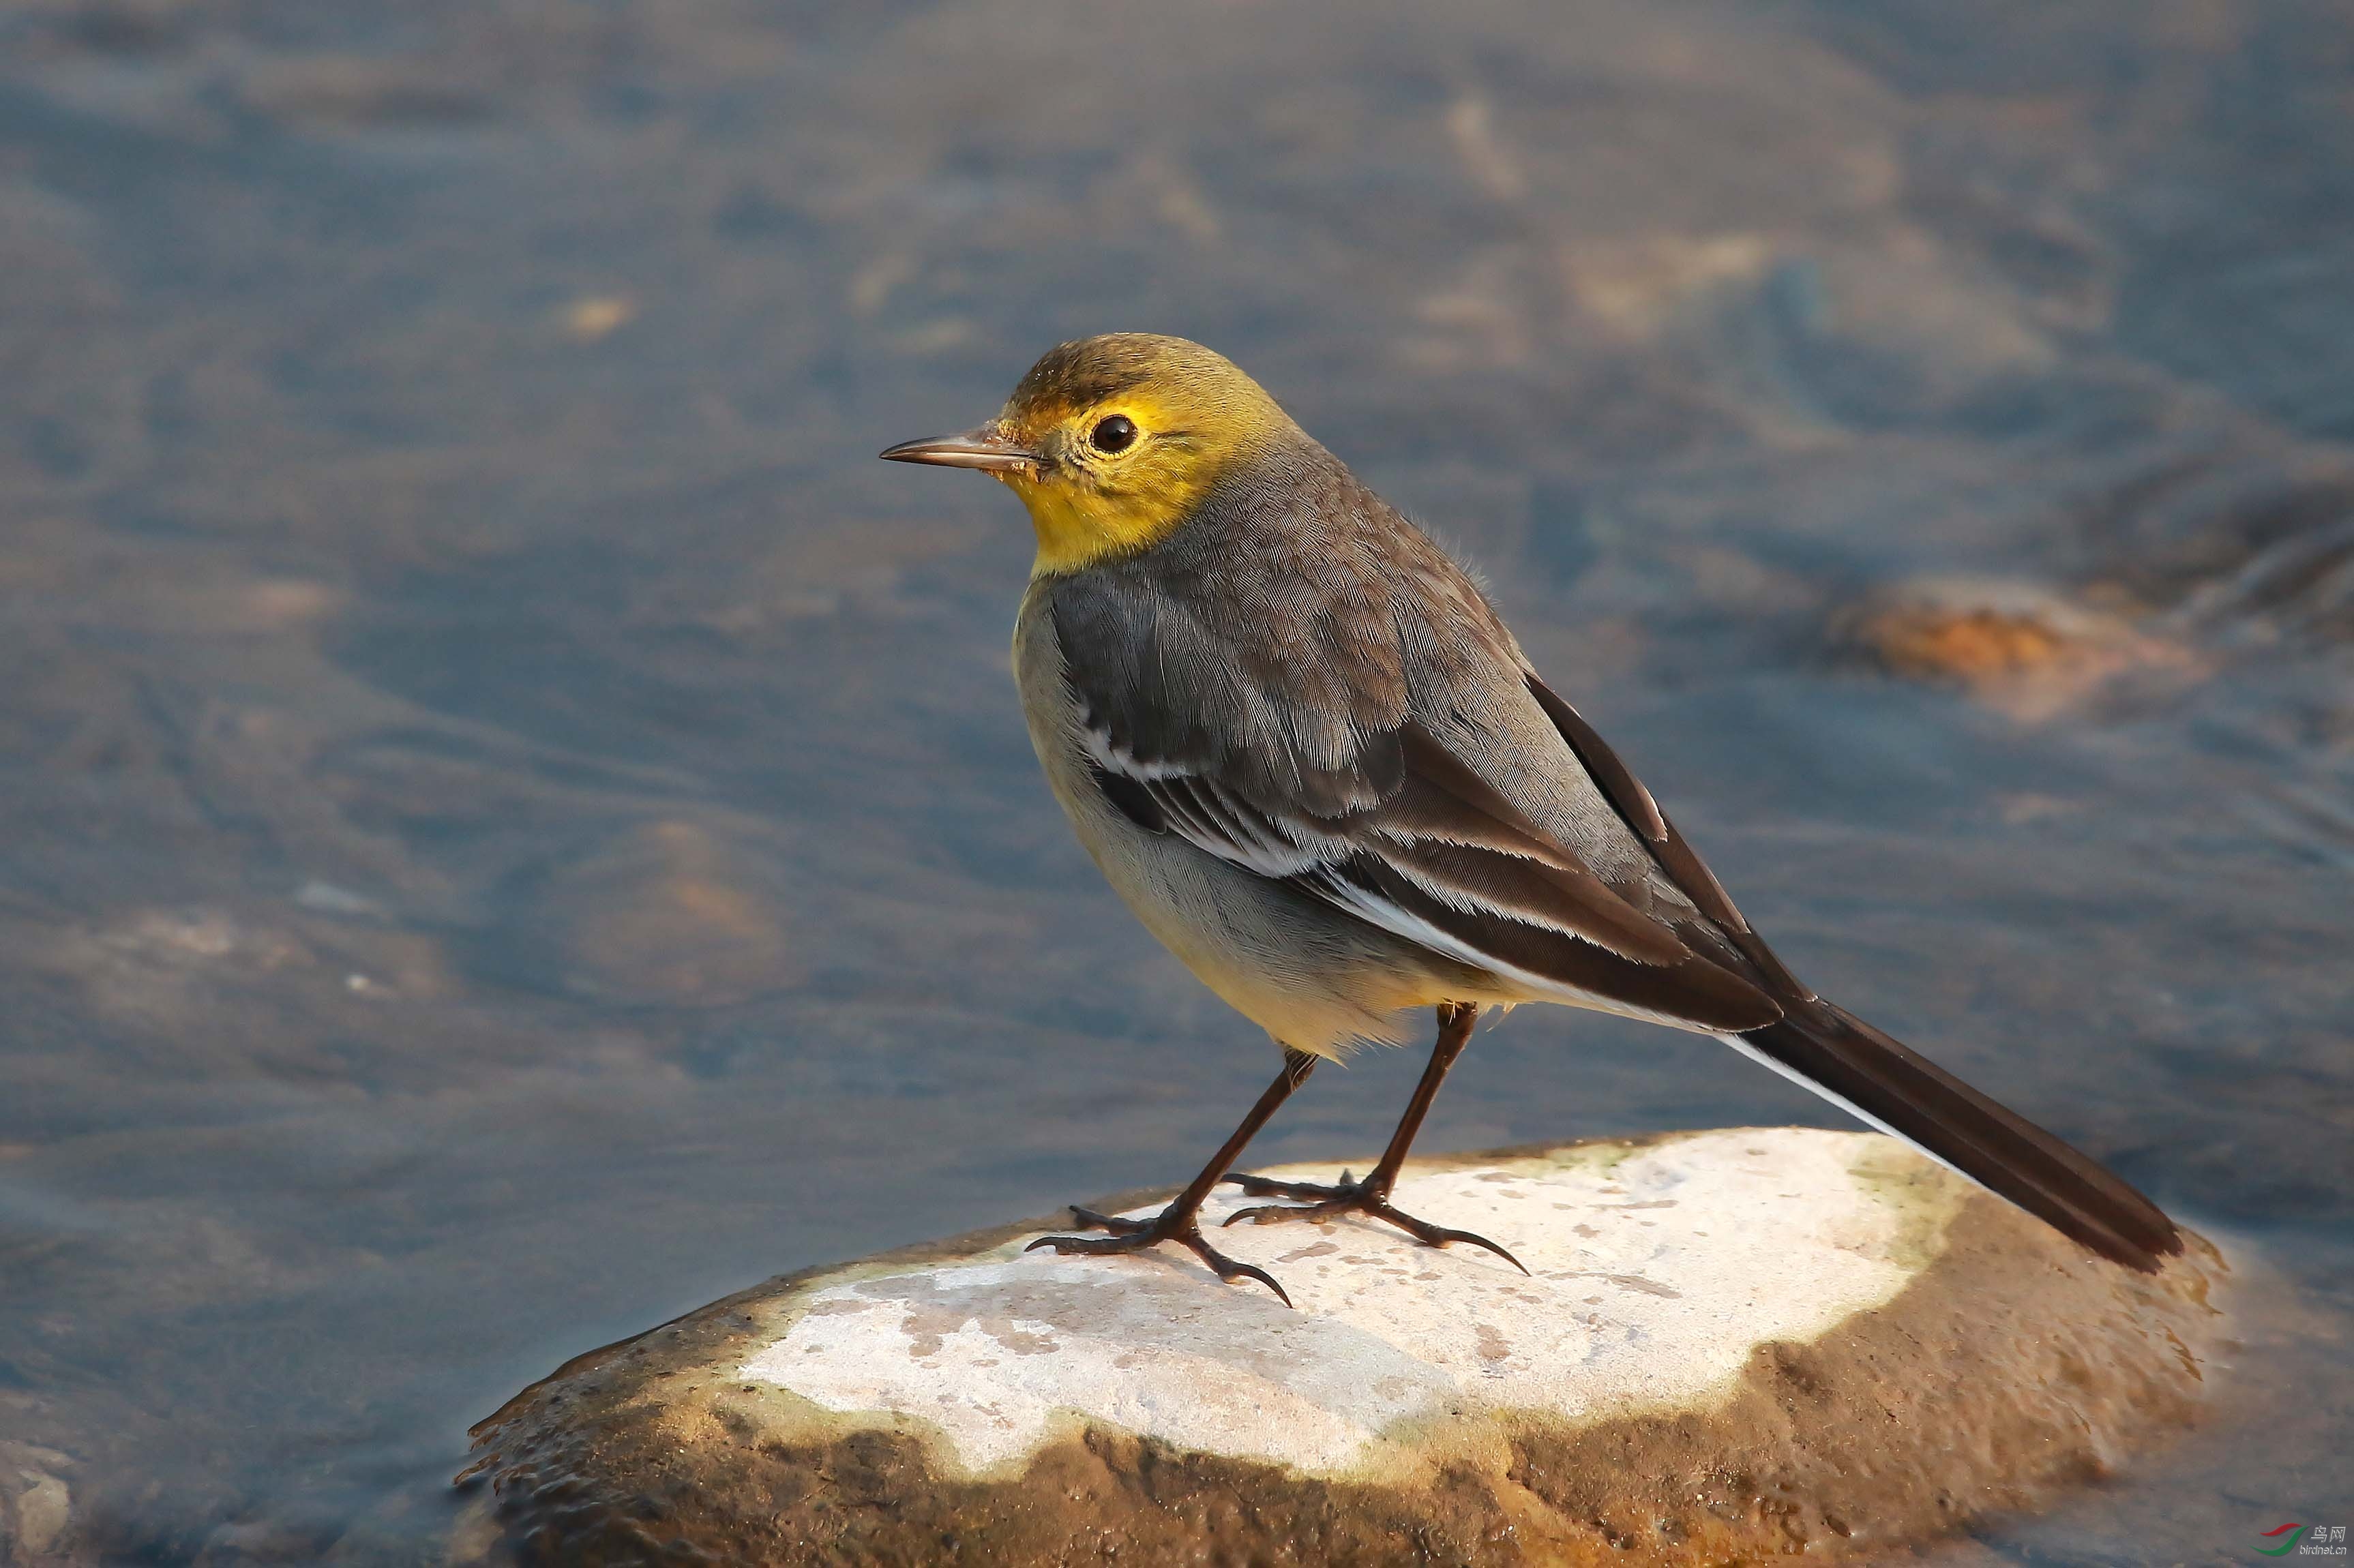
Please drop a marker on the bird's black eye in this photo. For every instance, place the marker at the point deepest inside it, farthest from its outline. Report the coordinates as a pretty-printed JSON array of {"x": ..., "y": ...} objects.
[{"x": 1115, "y": 434}]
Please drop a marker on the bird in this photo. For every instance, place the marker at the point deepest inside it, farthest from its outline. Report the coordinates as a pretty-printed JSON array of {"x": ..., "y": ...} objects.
[{"x": 1300, "y": 744}]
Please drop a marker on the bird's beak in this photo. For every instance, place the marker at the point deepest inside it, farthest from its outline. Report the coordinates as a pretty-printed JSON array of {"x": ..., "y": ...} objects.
[{"x": 988, "y": 449}]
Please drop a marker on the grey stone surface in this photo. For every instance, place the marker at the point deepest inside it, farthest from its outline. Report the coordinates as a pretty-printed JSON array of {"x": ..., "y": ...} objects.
[{"x": 1729, "y": 1343}]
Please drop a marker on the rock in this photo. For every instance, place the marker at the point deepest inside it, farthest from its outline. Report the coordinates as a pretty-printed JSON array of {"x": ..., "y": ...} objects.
[
  {"x": 1732, "y": 1342},
  {"x": 35, "y": 1506},
  {"x": 669, "y": 914},
  {"x": 2019, "y": 647}
]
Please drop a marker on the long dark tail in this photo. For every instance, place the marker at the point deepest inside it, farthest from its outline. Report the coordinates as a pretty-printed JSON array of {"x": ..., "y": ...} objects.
[{"x": 1847, "y": 1061}]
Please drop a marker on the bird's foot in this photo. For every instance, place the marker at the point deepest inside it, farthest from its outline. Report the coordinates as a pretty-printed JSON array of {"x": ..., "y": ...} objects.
[
  {"x": 1135, "y": 1236},
  {"x": 1317, "y": 1202}
]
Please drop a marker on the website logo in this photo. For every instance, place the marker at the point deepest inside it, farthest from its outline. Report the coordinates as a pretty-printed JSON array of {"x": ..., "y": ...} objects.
[{"x": 2305, "y": 1540}]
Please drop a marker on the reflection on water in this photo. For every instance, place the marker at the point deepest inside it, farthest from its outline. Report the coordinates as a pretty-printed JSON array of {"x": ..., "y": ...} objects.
[{"x": 515, "y": 825}]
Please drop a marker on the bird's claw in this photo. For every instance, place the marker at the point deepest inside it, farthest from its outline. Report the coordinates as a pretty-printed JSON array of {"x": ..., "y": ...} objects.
[
  {"x": 1118, "y": 1224},
  {"x": 1309, "y": 1191},
  {"x": 1317, "y": 1202},
  {"x": 1135, "y": 1236}
]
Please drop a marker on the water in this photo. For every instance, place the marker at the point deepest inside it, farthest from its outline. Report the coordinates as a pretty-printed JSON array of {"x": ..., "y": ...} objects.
[{"x": 513, "y": 824}]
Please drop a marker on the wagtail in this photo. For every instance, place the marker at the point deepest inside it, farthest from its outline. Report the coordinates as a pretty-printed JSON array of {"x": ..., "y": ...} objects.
[{"x": 1301, "y": 746}]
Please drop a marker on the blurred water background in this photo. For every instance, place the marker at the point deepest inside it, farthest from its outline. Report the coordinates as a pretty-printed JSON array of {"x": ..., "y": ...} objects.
[{"x": 512, "y": 824}]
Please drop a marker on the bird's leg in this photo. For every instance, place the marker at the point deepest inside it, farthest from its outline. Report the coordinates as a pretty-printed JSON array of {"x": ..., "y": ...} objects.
[
  {"x": 1180, "y": 1221},
  {"x": 1371, "y": 1197}
]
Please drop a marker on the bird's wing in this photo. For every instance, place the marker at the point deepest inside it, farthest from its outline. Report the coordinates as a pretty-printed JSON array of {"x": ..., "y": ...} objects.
[
  {"x": 1375, "y": 815},
  {"x": 1676, "y": 860}
]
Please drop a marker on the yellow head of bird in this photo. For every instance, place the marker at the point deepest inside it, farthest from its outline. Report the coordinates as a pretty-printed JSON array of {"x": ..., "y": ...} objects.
[{"x": 1112, "y": 442}]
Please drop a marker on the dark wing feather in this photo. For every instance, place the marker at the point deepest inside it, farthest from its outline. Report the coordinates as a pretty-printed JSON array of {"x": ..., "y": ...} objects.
[
  {"x": 1641, "y": 814},
  {"x": 1133, "y": 800},
  {"x": 1690, "y": 992},
  {"x": 1876, "y": 1077},
  {"x": 1468, "y": 869}
]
